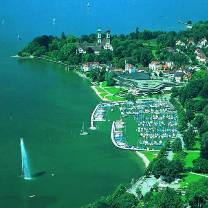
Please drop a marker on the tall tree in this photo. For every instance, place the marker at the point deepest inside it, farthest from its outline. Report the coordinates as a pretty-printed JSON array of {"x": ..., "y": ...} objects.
[
  {"x": 204, "y": 146},
  {"x": 167, "y": 198},
  {"x": 197, "y": 194}
]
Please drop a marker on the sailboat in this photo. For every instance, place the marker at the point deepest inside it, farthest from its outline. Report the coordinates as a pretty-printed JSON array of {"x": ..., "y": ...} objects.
[
  {"x": 2, "y": 21},
  {"x": 83, "y": 132},
  {"x": 19, "y": 37}
]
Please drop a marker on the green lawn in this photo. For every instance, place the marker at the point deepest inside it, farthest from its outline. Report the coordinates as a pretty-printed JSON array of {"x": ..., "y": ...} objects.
[
  {"x": 103, "y": 94},
  {"x": 150, "y": 155},
  {"x": 154, "y": 53},
  {"x": 191, "y": 155},
  {"x": 99, "y": 89},
  {"x": 113, "y": 90},
  {"x": 110, "y": 93},
  {"x": 103, "y": 84},
  {"x": 152, "y": 45},
  {"x": 189, "y": 178},
  {"x": 114, "y": 98}
]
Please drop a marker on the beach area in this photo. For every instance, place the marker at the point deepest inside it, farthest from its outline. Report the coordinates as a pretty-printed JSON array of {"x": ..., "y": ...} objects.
[
  {"x": 142, "y": 156},
  {"x": 145, "y": 160},
  {"x": 98, "y": 93}
]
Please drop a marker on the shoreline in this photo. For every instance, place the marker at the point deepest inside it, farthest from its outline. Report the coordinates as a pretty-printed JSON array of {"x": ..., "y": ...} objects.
[
  {"x": 22, "y": 57},
  {"x": 145, "y": 160},
  {"x": 98, "y": 94},
  {"x": 139, "y": 154},
  {"x": 142, "y": 156}
]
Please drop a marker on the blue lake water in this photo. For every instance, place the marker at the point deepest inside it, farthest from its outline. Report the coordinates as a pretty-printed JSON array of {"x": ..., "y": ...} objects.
[
  {"x": 31, "y": 18},
  {"x": 46, "y": 105}
]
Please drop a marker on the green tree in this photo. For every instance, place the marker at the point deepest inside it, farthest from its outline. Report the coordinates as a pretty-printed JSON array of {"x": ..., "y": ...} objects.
[
  {"x": 177, "y": 145},
  {"x": 63, "y": 36},
  {"x": 200, "y": 165},
  {"x": 167, "y": 198},
  {"x": 197, "y": 193},
  {"x": 204, "y": 146},
  {"x": 146, "y": 57},
  {"x": 198, "y": 121},
  {"x": 189, "y": 138},
  {"x": 109, "y": 78}
]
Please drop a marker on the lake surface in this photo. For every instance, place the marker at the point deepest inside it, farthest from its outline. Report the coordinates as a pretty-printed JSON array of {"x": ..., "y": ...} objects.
[
  {"x": 46, "y": 106},
  {"x": 32, "y": 18}
]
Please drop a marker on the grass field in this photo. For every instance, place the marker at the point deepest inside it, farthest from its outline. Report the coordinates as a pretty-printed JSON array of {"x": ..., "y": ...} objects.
[
  {"x": 113, "y": 90},
  {"x": 109, "y": 93},
  {"x": 190, "y": 157},
  {"x": 152, "y": 45},
  {"x": 190, "y": 178},
  {"x": 150, "y": 155},
  {"x": 114, "y": 98}
]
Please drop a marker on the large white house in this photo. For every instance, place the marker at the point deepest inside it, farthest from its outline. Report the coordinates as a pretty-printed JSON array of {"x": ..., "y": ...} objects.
[{"x": 90, "y": 66}]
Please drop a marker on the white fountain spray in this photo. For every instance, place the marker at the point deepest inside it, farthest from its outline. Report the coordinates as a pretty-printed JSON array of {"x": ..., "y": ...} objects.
[{"x": 25, "y": 162}]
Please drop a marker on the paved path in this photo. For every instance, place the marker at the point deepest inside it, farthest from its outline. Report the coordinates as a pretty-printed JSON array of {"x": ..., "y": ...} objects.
[{"x": 206, "y": 176}]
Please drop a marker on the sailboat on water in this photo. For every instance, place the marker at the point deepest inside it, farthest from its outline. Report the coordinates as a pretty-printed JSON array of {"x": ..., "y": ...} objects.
[
  {"x": 83, "y": 132},
  {"x": 88, "y": 4}
]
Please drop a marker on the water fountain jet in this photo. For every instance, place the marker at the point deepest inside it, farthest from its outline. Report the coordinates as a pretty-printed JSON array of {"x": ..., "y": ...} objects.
[{"x": 25, "y": 162}]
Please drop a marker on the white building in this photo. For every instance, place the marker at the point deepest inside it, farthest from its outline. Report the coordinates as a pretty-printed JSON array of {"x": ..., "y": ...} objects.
[
  {"x": 90, "y": 66},
  {"x": 81, "y": 50},
  {"x": 170, "y": 64},
  {"x": 130, "y": 68},
  {"x": 200, "y": 56},
  {"x": 202, "y": 43},
  {"x": 180, "y": 43},
  {"x": 155, "y": 66}
]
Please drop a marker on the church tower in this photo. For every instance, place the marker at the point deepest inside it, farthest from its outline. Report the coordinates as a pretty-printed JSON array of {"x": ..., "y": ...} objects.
[
  {"x": 108, "y": 37},
  {"x": 108, "y": 45},
  {"x": 99, "y": 36}
]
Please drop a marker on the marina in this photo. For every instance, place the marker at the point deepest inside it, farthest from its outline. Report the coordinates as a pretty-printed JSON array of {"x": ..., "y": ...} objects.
[{"x": 145, "y": 125}]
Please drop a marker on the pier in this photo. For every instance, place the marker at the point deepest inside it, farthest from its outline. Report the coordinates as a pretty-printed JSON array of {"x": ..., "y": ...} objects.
[
  {"x": 92, "y": 127},
  {"x": 124, "y": 147}
]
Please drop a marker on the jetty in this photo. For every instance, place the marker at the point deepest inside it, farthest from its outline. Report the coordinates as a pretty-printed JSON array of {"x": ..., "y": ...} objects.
[
  {"x": 121, "y": 145},
  {"x": 92, "y": 127}
]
